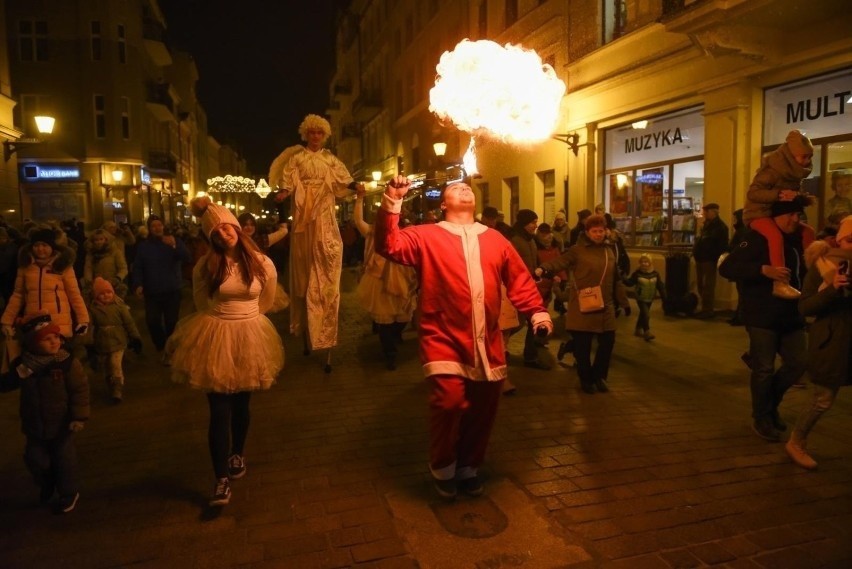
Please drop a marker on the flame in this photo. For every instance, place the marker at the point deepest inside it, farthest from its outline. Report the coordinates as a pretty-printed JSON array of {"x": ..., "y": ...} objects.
[
  {"x": 469, "y": 159},
  {"x": 504, "y": 92}
]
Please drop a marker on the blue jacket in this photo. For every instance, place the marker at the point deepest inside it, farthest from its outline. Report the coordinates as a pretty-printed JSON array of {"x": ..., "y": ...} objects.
[{"x": 157, "y": 266}]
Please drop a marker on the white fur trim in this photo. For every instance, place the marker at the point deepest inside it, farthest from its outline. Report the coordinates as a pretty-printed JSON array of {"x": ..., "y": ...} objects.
[
  {"x": 446, "y": 473},
  {"x": 391, "y": 205}
]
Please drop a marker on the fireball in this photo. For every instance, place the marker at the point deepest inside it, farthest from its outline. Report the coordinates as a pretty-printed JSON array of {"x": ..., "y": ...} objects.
[{"x": 502, "y": 92}]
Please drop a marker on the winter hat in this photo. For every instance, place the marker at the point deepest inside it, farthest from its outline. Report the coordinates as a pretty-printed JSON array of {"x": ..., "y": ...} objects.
[
  {"x": 212, "y": 215},
  {"x": 101, "y": 285},
  {"x": 796, "y": 205},
  {"x": 711, "y": 206},
  {"x": 35, "y": 327},
  {"x": 545, "y": 228},
  {"x": 44, "y": 235},
  {"x": 526, "y": 216},
  {"x": 845, "y": 229},
  {"x": 798, "y": 143}
]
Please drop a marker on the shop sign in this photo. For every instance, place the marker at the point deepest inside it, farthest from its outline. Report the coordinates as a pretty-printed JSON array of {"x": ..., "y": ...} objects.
[
  {"x": 145, "y": 176},
  {"x": 818, "y": 106},
  {"x": 36, "y": 172},
  {"x": 669, "y": 137},
  {"x": 432, "y": 193}
]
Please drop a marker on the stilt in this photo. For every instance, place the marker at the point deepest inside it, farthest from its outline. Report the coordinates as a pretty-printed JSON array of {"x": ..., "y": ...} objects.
[{"x": 327, "y": 367}]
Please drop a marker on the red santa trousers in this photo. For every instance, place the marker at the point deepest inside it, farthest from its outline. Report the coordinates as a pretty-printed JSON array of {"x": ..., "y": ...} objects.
[{"x": 461, "y": 416}]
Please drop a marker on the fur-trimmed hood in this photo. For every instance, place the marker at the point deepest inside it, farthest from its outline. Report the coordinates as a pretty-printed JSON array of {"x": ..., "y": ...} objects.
[{"x": 62, "y": 257}]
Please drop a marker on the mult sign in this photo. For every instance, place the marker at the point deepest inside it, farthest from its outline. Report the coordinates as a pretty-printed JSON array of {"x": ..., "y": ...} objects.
[
  {"x": 33, "y": 172},
  {"x": 819, "y": 107}
]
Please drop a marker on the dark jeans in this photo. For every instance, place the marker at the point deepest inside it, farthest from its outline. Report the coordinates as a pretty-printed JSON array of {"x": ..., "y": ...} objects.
[
  {"x": 768, "y": 385},
  {"x": 644, "y": 320},
  {"x": 229, "y": 423},
  {"x": 161, "y": 315},
  {"x": 54, "y": 461},
  {"x": 705, "y": 274},
  {"x": 588, "y": 371}
]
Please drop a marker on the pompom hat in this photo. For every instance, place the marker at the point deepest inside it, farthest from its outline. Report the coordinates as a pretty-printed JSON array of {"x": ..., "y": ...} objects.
[
  {"x": 101, "y": 285},
  {"x": 35, "y": 327},
  {"x": 43, "y": 235},
  {"x": 212, "y": 215}
]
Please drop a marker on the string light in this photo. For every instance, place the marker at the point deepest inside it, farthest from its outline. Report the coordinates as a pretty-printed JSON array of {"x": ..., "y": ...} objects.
[{"x": 231, "y": 184}]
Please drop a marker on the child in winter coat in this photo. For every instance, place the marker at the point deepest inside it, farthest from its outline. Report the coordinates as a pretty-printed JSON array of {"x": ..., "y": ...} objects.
[
  {"x": 779, "y": 179},
  {"x": 648, "y": 283},
  {"x": 54, "y": 406},
  {"x": 114, "y": 332}
]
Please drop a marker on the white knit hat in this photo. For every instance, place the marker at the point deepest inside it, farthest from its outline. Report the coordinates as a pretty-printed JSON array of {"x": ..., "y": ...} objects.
[{"x": 211, "y": 215}]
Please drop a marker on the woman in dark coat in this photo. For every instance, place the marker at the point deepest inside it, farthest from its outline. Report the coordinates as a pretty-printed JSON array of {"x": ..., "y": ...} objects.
[
  {"x": 826, "y": 297},
  {"x": 591, "y": 262}
]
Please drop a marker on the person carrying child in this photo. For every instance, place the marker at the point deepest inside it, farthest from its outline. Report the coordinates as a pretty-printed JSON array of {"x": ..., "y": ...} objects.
[
  {"x": 779, "y": 179},
  {"x": 54, "y": 406},
  {"x": 114, "y": 332},
  {"x": 647, "y": 283}
]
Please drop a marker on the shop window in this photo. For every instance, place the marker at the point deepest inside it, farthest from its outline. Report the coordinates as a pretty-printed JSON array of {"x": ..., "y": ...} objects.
[{"x": 837, "y": 195}]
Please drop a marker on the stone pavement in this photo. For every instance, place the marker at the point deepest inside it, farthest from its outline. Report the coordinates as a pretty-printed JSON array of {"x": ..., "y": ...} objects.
[{"x": 664, "y": 471}]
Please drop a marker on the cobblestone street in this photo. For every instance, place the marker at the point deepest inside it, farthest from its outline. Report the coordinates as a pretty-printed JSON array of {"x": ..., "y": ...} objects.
[{"x": 664, "y": 471}]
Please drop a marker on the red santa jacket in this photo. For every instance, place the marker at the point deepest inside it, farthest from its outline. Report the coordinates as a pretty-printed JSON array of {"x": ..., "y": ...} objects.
[{"x": 460, "y": 268}]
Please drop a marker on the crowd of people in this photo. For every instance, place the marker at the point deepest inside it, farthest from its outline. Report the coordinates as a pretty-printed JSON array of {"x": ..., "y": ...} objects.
[{"x": 64, "y": 303}]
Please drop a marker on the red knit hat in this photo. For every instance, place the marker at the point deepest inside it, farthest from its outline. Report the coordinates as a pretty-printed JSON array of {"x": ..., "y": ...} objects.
[
  {"x": 101, "y": 285},
  {"x": 35, "y": 327}
]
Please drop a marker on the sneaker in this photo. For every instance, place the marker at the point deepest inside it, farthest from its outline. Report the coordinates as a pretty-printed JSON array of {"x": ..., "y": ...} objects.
[
  {"x": 648, "y": 336},
  {"x": 799, "y": 455},
  {"x": 508, "y": 388},
  {"x": 221, "y": 493},
  {"x": 446, "y": 488},
  {"x": 471, "y": 486},
  {"x": 766, "y": 430},
  {"x": 236, "y": 466},
  {"x": 67, "y": 504}
]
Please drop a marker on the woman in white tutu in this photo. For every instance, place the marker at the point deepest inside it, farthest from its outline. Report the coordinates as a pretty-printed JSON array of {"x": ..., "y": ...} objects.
[
  {"x": 388, "y": 291},
  {"x": 228, "y": 348}
]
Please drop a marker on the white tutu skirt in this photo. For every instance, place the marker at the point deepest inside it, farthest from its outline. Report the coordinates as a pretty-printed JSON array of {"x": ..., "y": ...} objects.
[{"x": 225, "y": 356}]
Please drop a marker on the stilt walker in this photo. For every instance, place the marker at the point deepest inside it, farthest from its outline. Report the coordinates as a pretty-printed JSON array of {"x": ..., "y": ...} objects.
[{"x": 314, "y": 178}]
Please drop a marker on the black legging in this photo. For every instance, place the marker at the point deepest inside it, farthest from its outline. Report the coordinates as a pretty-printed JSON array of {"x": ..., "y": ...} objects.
[{"x": 229, "y": 423}]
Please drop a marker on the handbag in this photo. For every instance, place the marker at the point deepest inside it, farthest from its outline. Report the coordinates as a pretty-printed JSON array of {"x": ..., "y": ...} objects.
[{"x": 591, "y": 299}]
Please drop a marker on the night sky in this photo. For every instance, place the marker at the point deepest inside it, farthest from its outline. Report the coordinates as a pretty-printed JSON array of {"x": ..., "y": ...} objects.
[{"x": 262, "y": 64}]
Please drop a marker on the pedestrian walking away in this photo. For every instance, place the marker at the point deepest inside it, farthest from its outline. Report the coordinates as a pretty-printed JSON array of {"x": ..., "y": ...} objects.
[
  {"x": 228, "y": 348},
  {"x": 461, "y": 265}
]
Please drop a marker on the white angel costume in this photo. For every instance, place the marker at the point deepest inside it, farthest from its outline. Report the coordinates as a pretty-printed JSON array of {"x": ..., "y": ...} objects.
[
  {"x": 314, "y": 180},
  {"x": 228, "y": 345}
]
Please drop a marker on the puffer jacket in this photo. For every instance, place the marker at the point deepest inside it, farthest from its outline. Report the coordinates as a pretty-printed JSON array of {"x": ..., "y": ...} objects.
[
  {"x": 51, "y": 287},
  {"x": 113, "y": 326},
  {"x": 107, "y": 262},
  {"x": 51, "y": 398},
  {"x": 589, "y": 265},
  {"x": 778, "y": 171}
]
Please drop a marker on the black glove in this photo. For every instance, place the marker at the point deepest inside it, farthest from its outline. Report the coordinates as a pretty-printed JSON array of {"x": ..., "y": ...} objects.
[
  {"x": 627, "y": 311},
  {"x": 135, "y": 344}
]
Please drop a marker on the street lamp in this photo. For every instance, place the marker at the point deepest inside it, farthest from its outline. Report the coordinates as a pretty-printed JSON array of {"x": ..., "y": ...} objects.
[
  {"x": 440, "y": 149},
  {"x": 262, "y": 189},
  {"x": 44, "y": 124},
  {"x": 117, "y": 175}
]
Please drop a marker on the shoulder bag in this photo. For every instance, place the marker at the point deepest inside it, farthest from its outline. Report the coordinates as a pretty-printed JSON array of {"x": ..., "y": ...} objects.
[{"x": 591, "y": 299}]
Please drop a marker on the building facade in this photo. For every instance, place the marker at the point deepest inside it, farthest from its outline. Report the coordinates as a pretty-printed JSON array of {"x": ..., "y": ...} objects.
[{"x": 130, "y": 138}]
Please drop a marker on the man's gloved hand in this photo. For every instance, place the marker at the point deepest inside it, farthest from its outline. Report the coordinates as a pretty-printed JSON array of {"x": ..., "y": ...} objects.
[
  {"x": 81, "y": 329},
  {"x": 76, "y": 426},
  {"x": 135, "y": 344}
]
